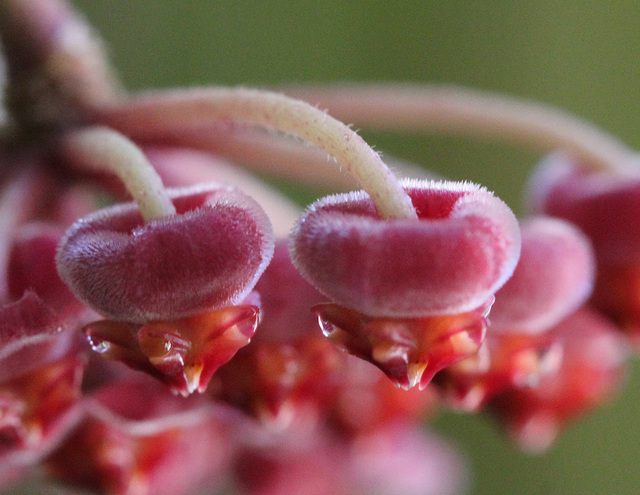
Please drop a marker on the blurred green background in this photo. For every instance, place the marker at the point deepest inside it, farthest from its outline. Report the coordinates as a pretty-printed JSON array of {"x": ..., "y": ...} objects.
[{"x": 580, "y": 55}]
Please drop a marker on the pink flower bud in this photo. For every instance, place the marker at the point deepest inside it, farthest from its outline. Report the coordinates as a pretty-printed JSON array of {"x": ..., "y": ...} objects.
[
  {"x": 463, "y": 248},
  {"x": 606, "y": 207},
  {"x": 554, "y": 276},
  {"x": 207, "y": 257}
]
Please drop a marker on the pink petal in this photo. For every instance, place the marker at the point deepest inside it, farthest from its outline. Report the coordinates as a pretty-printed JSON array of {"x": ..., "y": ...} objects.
[
  {"x": 405, "y": 459},
  {"x": 606, "y": 207},
  {"x": 462, "y": 250},
  {"x": 32, "y": 267},
  {"x": 554, "y": 276},
  {"x": 138, "y": 438},
  {"x": 207, "y": 257}
]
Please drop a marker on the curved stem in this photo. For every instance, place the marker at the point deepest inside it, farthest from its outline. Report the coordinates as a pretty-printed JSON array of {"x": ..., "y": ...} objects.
[
  {"x": 159, "y": 112},
  {"x": 275, "y": 155},
  {"x": 454, "y": 109},
  {"x": 180, "y": 168},
  {"x": 106, "y": 150}
]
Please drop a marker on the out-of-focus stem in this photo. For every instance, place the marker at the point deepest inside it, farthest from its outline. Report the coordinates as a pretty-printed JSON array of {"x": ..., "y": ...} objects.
[{"x": 459, "y": 110}]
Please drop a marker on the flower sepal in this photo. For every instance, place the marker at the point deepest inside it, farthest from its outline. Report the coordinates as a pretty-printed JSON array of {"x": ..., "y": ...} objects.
[
  {"x": 410, "y": 351},
  {"x": 278, "y": 382},
  {"x": 183, "y": 353},
  {"x": 505, "y": 361}
]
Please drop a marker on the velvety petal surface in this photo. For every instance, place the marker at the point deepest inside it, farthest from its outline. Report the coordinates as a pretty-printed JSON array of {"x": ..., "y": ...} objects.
[
  {"x": 464, "y": 246},
  {"x": 554, "y": 276},
  {"x": 206, "y": 257}
]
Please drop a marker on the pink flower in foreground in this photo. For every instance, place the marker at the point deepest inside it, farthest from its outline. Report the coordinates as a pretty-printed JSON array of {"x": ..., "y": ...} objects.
[
  {"x": 168, "y": 286},
  {"x": 411, "y": 295}
]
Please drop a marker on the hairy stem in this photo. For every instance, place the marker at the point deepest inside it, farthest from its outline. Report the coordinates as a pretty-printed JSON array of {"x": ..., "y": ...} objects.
[
  {"x": 160, "y": 112},
  {"x": 454, "y": 109},
  {"x": 103, "y": 149}
]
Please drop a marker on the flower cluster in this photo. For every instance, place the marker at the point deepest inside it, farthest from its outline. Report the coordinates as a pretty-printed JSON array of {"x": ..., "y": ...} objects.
[{"x": 169, "y": 323}]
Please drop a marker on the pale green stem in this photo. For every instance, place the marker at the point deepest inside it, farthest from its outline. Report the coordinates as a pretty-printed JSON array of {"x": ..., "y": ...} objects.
[
  {"x": 105, "y": 150},
  {"x": 162, "y": 111},
  {"x": 454, "y": 109},
  {"x": 277, "y": 155}
]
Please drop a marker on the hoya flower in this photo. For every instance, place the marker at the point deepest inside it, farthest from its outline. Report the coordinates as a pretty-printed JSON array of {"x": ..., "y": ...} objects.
[
  {"x": 554, "y": 277},
  {"x": 605, "y": 205},
  {"x": 139, "y": 439},
  {"x": 184, "y": 278},
  {"x": 168, "y": 286},
  {"x": 41, "y": 365},
  {"x": 411, "y": 294},
  {"x": 208, "y": 255},
  {"x": 592, "y": 370},
  {"x": 289, "y": 372}
]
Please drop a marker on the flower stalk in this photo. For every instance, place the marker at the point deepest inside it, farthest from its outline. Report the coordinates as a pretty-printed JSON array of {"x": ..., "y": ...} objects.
[
  {"x": 155, "y": 113},
  {"x": 453, "y": 109},
  {"x": 105, "y": 150}
]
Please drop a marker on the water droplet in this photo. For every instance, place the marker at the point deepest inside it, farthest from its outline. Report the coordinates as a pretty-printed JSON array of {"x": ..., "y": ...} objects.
[
  {"x": 99, "y": 345},
  {"x": 247, "y": 326},
  {"x": 326, "y": 326}
]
